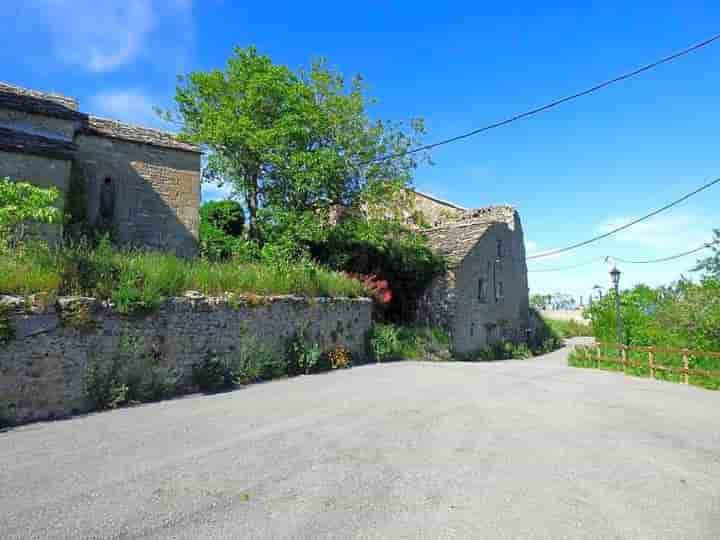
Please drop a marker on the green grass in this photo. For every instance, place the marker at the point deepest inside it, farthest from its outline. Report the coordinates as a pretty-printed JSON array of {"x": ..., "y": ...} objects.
[
  {"x": 577, "y": 358},
  {"x": 139, "y": 280},
  {"x": 568, "y": 329}
]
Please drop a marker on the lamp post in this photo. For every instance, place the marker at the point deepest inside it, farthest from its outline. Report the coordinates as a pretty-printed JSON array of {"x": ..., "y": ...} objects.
[{"x": 615, "y": 277}]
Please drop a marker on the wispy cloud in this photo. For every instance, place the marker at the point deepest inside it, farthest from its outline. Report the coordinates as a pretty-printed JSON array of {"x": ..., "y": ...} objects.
[
  {"x": 676, "y": 230},
  {"x": 101, "y": 36}
]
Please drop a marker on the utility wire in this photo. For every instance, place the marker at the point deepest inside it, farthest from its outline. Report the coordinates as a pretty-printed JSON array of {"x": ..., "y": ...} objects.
[
  {"x": 617, "y": 259},
  {"x": 552, "y": 104},
  {"x": 670, "y": 258},
  {"x": 586, "y": 263},
  {"x": 627, "y": 225}
]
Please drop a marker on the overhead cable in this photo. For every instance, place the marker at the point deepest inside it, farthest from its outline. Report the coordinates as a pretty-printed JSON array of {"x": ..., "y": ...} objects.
[
  {"x": 627, "y": 225},
  {"x": 552, "y": 104}
]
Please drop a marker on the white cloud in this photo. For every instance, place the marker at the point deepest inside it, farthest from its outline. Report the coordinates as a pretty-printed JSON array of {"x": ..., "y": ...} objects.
[
  {"x": 129, "y": 105},
  {"x": 666, "y": 231},
  {"x": 531, "y": 246},
  {"x": 101, "y": 35}
]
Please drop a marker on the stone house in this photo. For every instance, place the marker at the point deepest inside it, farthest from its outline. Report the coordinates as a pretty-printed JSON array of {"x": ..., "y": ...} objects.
[
  {"x": 482, "y": 298},
  {"x": 140, "y": 183}
]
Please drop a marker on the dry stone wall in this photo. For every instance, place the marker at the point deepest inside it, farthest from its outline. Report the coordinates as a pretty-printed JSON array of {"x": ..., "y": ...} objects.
[{"x": 45, "y": 348}]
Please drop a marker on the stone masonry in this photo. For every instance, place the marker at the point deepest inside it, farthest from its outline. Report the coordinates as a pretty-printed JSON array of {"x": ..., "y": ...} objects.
[
  {"x": 41, "y": 364},
  {"x": 141, "y": 184},
  {"x": 482, "y": 298}
]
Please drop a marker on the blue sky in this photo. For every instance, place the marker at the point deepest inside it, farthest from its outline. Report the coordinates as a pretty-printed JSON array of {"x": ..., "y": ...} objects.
[{"x": 572, "y": 172}]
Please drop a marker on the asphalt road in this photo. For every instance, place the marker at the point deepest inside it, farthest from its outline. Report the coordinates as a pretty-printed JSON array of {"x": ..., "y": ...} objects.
[{"x": 518, "y": 449}]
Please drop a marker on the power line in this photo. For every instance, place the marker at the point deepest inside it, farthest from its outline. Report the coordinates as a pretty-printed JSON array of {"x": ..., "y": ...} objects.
[
  {"x": 627, "y": 225},
  {"x": 670, "y": 258},
  {"x": 552, "y": 104},
  {"x": 586, "y": 263}
]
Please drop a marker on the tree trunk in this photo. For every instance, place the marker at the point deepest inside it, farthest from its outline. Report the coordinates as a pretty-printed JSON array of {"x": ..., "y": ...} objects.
[{"x": 252, "y": 203}]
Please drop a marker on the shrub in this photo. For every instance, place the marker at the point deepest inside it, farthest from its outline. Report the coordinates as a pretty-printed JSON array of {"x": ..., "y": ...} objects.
[
  {"x": 339, "y": 358},
  {"x": 384, "y": 341},
  {"x": 251, "y": 362},
  {"x": 214, "y": 373},
  {"x": 103, "y": 385},
  {"x": 386, "y": 250},
  {"x": 226, "y": 216},
  {"x": 390, "y": 342},
  {"x": 568, "y": 329},
  {"x": 21, "y": 202},
  {"x": 303, "y": 357}
]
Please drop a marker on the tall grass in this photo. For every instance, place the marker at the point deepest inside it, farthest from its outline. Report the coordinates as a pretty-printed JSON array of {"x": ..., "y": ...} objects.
[
  {"x": 136, "y": 280},
  {"x": 568, "y": 329}
]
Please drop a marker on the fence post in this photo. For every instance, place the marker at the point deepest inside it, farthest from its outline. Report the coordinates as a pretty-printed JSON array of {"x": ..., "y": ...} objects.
[
  {"x": 686, "y": 367},
  {"x": 597, "y": 356},
  {"x": 651, "y": 362},
  {"x": 623, "y": 352}
]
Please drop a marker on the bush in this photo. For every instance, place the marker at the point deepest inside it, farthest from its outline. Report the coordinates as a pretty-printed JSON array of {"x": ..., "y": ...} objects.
[
  {"x": 132, "y": 375},
  {"x": 685, "y": 314},
  {"x": 304, "y": 357},
  {"x": 388, "y": 252},
  {"x": 568, "y": 329},
  {"x": 384, "y": 341},
  {"x": 226, "y": 216},
  {"x": 390, "y": 342},
  {"x": 339, "y": 358},
  {"x": 103, "y": 386},
  {"x": 251, "y": 362},
  {"x": 214, "y": 373},
  {"x": 21, "y": 202}
]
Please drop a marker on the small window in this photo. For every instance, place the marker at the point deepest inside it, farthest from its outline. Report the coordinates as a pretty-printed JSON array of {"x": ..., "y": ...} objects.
[
  {"x": 499, "y": 248},
  {"x": 499, "y": 292},
  {"x": 482, "y": 290},
  {"x": 472, "y": 329}
]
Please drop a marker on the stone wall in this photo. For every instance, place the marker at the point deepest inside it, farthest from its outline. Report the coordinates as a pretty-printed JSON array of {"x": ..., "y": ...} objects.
[
  {"x": 47, "y": 126},
  {"x": 435, "y": 211},
  {"x": 503, "y": 313},
  {"x": 155, "y": 191},
  {"x": 436, "y": 305},
  {"x": 42, "y": 363}
]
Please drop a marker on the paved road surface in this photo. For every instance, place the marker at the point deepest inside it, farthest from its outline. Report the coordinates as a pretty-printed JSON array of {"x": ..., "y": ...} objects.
[{"x": 531, "y": 450}]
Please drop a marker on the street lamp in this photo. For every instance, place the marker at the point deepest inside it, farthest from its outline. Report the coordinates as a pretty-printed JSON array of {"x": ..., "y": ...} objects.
[{"x": 615, "y": 277}]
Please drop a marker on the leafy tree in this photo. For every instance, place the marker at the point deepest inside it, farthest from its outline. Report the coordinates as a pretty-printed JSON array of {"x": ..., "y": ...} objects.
[
  {"x": 538, "y": 301},
  {"x": 293, "y": 145},
  {"x": 228, "y": 216},
  {"x": 387, "y": 250},
  {"x": 710, "y": 266},
  {"x": 21, "y": 202}
]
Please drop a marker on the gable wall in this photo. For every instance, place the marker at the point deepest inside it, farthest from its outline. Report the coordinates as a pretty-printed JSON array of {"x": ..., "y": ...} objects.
[
  {"x": 470, "y": 328},
  {"x": 435, "y": 212},
  {"x": 156, "y": 191}
]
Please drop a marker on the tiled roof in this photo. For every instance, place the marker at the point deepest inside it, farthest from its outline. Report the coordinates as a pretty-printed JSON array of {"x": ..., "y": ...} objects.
[
  {"x": 27, "y": 143},
  {"x": 119, "y": 130},
  {"x": 32, "y": 101},
  {"x": 454, "y": 240},
  {"x": 59, "y": 106}
]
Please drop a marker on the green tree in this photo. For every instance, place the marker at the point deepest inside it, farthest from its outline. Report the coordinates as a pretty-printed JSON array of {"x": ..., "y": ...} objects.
[
  {"x": 538, "y": 301},
  {"x": 710, "y": 266},
  {"x": 21, "y": 202},
  {"x": 293, "y": 145}
]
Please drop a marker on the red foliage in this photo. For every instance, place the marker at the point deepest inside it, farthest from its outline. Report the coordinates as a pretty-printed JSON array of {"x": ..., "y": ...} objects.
[{"x": 378, "y": 288}]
